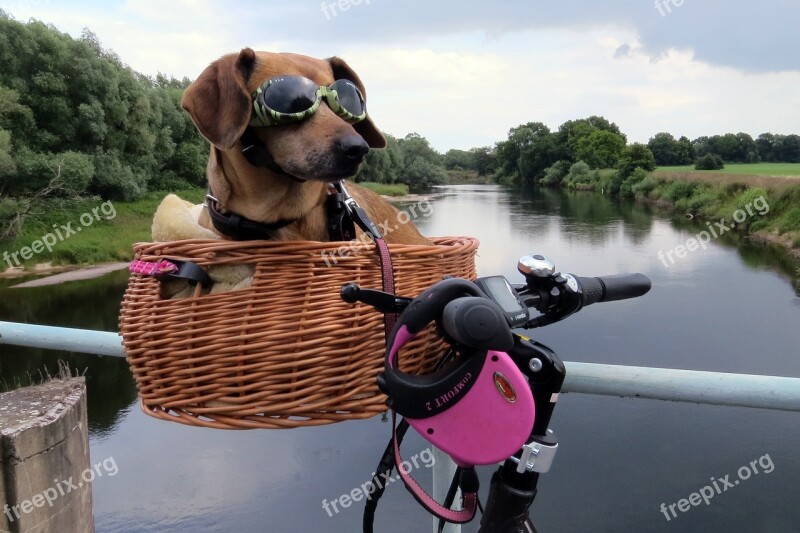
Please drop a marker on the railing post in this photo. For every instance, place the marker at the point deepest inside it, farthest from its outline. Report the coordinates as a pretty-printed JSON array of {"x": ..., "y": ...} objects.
[{"x": 44, "y": 450}]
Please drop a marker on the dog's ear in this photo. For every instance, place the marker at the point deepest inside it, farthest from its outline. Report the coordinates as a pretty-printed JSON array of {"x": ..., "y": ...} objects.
[
  {"x": 218, "y": 100},
  {"x": 366, "y": 128}
]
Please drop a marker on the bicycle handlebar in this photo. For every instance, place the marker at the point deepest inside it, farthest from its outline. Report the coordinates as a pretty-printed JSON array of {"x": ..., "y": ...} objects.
[{"x": 613, "y": 288}]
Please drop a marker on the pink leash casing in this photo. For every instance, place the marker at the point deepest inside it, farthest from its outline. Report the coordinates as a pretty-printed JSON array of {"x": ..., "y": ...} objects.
[{"x": 491, "y": 422}]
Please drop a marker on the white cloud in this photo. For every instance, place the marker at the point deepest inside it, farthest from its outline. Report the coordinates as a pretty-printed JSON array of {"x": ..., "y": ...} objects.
[{"x": 459, "y": 89}]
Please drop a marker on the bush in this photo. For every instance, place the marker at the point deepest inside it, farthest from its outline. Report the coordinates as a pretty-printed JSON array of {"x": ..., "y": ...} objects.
[
  {"x": 757, "y": 197},
  {"x": 643, "y": 188},
  {"x": 579, "y": 176},
  {"x": 636, "y": 156},
  {"x": 790, "y": 220},
  {"x": 710, "y": 162},
  {"x": 697, "y": 202},
  {"x": 626, "y": 188},
  {"x": 677, "y": 190},
  {"x": 554, "y": 174}
]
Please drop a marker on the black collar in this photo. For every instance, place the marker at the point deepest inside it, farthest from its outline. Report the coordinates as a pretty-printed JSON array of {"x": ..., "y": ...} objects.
[
  {"x": 238, "y": 227},
  {"x": 340, "y": 219}
]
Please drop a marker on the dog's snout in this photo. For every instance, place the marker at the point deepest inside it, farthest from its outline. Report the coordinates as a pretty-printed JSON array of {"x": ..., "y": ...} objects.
[{"x": 354, "y": 147}]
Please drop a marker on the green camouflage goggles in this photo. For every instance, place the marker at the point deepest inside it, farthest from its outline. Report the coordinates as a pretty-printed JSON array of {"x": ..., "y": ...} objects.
[{"x": 288, "y": 99}]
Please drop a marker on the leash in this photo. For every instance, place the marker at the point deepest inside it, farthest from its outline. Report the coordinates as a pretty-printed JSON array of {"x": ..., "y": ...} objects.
[
  {"x": 464, "y": 478},
  {"x": 358, "y": 215}
]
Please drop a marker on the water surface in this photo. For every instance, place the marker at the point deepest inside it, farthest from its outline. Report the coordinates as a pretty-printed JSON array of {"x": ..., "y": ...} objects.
[{"x": 731, "y": 308}]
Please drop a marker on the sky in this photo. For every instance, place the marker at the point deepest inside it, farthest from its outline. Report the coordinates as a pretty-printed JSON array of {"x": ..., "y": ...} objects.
[{"x": 463, "y": 72}]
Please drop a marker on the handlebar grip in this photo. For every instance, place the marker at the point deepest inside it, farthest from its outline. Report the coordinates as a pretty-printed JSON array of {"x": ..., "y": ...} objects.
[{"x": 613, "y": 288}]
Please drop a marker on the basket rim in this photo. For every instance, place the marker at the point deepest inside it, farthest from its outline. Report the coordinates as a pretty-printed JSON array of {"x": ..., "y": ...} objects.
[{"x": 228, "y": 245}]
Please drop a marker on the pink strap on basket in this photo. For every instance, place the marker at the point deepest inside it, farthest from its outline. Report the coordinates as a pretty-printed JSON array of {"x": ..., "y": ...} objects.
[{"x": 152, "y": 268}]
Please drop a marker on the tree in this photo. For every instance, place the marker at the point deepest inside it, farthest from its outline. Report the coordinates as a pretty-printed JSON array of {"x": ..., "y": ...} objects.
[
  {"x": 570, "y": 134},
  {"x": 484, "y": 160},
  {"x": 636, "y": 155},
  {"x": 529, "y": 150},
  {"x": 7, "y": 165},
  {"x": 422, "y": 164},
  {"x": 710, "y": 162},
  {"x": 458, "y": 160},
  {"x": 600, "y": 149},
  {"x": 665, "y": 148},
  {"x": 685, "y": 152},
  {"x": 766, "y": 146}
]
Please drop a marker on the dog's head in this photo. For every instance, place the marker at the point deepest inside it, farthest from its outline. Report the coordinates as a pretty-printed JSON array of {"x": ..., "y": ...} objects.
[{"x": 322, "y": 147}]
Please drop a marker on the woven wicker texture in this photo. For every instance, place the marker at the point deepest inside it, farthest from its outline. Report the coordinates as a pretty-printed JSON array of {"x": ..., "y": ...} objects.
[{"x": 286, "y": 352}]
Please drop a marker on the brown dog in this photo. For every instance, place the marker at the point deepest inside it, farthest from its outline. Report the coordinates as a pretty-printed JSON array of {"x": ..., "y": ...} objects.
[{"x": 312, "y": 153}]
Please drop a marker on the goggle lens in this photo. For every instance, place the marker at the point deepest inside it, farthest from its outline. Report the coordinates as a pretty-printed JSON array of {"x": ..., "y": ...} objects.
[
  {"x": 292, "y": 94},
  {"x": 292, "y": 98}
]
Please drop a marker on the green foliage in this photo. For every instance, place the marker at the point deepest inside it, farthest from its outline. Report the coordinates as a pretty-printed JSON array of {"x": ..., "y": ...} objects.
[
  {"x": 579, "y": 177},
  {"x": 627, "y": 187},
  {"x": 530, "y": 149},
  {"x": 643, "y": 188},
  {"x": 7, "y": 166},
  {"x": 677, "y": 190},
  {"x": 422, "y": 165},
  {"x": 387, "y": 189},
  {"x": 635, "y": 156},
  {"x": 484, "y": 160},
  {"x": 710, "y": 162},
  {"x": 668, "y": 151},
  {"x": 382, "y": 166},
  {"x": 698, "y": 203},
  {"x": 555, "y": 173},
  {"x": 69, "y": 108},
  {"x": 600, "y": 149}
]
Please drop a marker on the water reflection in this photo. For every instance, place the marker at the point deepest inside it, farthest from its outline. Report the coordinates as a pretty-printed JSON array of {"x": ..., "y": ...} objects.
[
  {"x": 89, "y": 304},
  {"x": 619, "y": 459}
]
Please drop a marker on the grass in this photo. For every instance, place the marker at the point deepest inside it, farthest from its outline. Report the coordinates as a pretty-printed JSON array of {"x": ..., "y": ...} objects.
[
  {"x": 110, "y": 238},
  {"x": 743, "y": 169},
  {"x": 386, "y": 189}
]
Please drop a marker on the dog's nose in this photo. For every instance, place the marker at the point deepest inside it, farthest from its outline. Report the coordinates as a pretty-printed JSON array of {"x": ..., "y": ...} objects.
[{"x": 354, "y": 147}]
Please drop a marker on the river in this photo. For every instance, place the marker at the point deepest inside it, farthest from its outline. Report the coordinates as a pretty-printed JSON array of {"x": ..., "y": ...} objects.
[{"x": 733, "y": 307}]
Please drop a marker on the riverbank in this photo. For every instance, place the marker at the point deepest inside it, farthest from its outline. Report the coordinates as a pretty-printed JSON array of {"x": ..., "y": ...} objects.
[
  {"x": 764, "y": 208},
  {"x": 66, "y": 235}
]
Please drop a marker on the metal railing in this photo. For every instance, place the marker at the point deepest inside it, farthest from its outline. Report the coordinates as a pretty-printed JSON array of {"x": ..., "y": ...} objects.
[{"x": 716, "y": 388}]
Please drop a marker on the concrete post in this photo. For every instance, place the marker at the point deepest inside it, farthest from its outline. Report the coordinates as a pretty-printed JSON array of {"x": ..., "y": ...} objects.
[{"x": 44, "y": 449}]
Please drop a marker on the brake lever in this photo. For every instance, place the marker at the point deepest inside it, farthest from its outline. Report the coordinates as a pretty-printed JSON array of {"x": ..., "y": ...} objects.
[{"x": 383, "y": 302}]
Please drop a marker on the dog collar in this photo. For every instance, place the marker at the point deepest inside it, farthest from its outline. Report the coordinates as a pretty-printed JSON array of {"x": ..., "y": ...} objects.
[
  {"x": 339, "y": 206},
  {"x": 238, "y": 227}
]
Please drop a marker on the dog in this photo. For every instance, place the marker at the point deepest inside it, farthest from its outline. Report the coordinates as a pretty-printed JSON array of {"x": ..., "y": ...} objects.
[{"x": 307, "y": 155}]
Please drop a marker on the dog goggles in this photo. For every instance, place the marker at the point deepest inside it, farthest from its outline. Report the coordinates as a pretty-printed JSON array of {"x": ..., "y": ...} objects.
[{"x": 288, "y": 99}]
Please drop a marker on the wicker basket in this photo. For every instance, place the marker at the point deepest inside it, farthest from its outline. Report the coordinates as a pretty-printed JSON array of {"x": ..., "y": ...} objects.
[{"x": 285, "y": 352}]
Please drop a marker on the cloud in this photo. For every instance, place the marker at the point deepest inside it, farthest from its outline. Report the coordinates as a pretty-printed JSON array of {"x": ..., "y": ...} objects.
[
  {"x": 750, "y": 36},
  {"x": 463, "y": 73}
]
